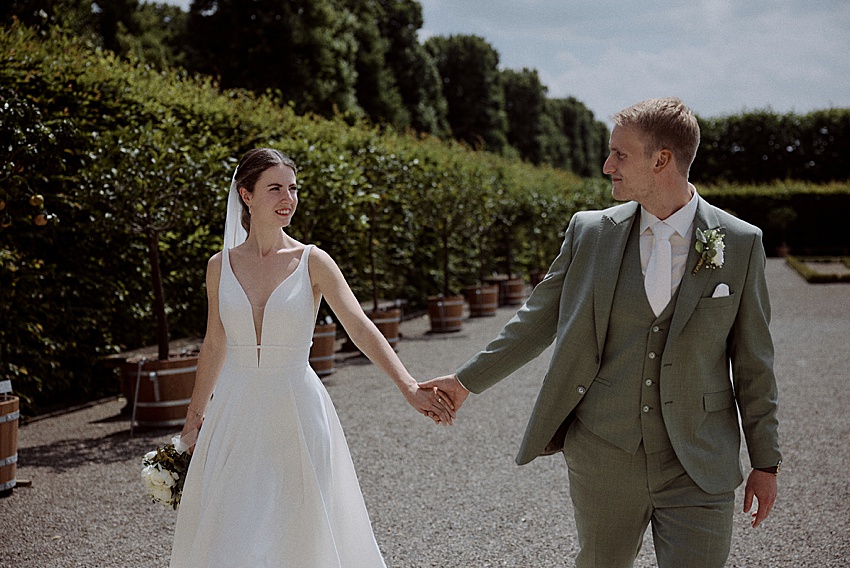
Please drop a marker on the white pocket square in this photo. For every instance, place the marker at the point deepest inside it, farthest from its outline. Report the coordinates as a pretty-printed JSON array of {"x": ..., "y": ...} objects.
[{"x": 721, "y": 291}]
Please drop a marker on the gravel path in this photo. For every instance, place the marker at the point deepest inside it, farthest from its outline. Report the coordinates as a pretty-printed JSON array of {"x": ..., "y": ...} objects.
[{"x": 453, "y": 497}]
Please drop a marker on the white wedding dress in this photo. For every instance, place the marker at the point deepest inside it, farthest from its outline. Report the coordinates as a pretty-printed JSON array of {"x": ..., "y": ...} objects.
[{"x": 271, "y": 482}]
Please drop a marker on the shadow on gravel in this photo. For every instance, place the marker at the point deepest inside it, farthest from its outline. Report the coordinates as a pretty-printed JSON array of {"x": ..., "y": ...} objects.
[{"x": 72, "y": 453}]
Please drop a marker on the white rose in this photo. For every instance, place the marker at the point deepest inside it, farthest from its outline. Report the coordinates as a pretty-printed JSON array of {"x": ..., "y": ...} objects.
[
  {"x": 156, "y": 476},
  {"x": 162, "y": 494},
  {"x": 150, "y": 455},
  {"x": 719, "y": 247}
]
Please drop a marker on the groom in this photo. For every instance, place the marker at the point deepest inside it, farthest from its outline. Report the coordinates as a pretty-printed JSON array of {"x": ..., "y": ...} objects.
[{"x": 658, "y": 348}]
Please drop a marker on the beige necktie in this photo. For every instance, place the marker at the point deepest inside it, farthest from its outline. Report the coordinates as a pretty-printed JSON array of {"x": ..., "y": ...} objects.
[{"x": 658, "y": 280}]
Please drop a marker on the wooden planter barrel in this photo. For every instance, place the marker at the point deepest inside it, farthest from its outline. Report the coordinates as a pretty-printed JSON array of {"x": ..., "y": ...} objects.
[
  {"x": 322, "y": 358},
  {"x": 387, "y": 321},
  {"x": 162, "y": 390},
  {"x": 483, "y": 300},
  {"x": 9, "y": 414},
  {"x": 511, "y": 289},
  {"x": 446, "y": 313}
]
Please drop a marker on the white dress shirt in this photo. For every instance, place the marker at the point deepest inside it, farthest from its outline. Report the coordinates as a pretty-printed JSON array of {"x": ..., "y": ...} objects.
[{"x": 682, "y": 222}]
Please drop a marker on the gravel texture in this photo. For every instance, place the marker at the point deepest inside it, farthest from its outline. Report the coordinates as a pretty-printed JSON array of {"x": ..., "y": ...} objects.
[{"x": 453, "y": 497}]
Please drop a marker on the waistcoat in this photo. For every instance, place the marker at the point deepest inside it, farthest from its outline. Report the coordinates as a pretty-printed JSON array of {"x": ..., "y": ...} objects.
[{"x": 623, "y": 404}]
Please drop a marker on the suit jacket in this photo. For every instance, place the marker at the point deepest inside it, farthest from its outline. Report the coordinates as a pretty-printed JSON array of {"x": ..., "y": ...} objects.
[{"x": 708, "y": 337}]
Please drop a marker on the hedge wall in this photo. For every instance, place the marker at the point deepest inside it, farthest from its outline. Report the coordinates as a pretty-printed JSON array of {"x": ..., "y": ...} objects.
[
  {"x": 108, "y": 144},
  {"x": 93, "y": 146}
]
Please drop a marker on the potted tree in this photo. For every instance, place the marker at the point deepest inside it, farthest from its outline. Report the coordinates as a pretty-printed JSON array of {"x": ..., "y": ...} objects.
[
  {"x": 450, "y": 204},
  {"x": 152, "y": 176},
  {"x": 379, "y": 172}
]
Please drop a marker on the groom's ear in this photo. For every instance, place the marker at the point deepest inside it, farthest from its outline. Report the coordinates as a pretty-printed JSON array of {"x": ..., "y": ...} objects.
[{"x": 663, "y": 160}]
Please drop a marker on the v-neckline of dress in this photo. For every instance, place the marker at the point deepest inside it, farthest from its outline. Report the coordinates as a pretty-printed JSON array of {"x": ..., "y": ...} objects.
[{"x": 258, "y": 338}]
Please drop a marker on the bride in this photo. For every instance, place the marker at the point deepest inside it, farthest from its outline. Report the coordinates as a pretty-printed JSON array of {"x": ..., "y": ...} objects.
[{"x": 271, "y": 482}]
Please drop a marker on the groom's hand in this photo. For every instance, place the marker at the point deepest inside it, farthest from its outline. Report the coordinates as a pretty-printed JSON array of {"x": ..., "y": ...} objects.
[{"x": 451, "y": 387}]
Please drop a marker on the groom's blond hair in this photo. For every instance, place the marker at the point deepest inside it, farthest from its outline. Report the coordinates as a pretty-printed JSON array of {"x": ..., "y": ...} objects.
[{"x": 668, "y": 124}]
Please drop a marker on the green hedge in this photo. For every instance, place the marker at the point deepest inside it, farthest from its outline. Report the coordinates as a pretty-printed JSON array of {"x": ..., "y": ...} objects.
[
  {"x": 78, "y": 289},
  {"x": 809, "y": 218}
]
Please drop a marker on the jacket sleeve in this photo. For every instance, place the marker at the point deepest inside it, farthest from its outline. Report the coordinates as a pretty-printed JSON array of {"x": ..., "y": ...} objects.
[
  {"x": 751, "y": 354},
  {"x": 528, "y": 333}
]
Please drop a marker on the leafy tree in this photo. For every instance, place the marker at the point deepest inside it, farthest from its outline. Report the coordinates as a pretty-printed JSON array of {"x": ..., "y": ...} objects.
[
  {"x": 573, "y": 138},
  {"x": 305, "y": 50},
  {"x": 156, "y": 41},
  {"x": 525, "y": 104},
  {"x": 415, "y": 71},
  {"x": 150, "y": 177},
  {"x": 375, "y": 88},
  {"x": 472, "y": 87}
]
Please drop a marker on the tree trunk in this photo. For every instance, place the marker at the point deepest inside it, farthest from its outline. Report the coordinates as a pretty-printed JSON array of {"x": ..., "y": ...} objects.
[
  {"x": 446, "y": 263},
  {"x": 158, "y": 295},
  {"x": 372, "y": 258}
]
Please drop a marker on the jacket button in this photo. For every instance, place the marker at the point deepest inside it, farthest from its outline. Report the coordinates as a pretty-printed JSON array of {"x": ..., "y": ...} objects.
[
  {"x": 655, "y": 329},
  {"x": 649, "y": 382},
  {"x": 651, "y": 355},
  {"x": 646, "y": 409},
  {"x": 581, "y": 390}
]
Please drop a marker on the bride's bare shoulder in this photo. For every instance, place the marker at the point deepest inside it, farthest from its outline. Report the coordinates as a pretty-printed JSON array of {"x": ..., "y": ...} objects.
[{"x": 214, "y": 263}]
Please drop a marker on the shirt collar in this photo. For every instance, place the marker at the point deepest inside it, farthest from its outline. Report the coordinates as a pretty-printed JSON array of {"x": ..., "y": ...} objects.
[{"x": 681, "y": 220}]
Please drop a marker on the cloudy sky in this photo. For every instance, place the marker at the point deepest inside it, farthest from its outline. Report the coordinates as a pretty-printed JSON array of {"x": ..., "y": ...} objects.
[{"x": 719, "y": 56}]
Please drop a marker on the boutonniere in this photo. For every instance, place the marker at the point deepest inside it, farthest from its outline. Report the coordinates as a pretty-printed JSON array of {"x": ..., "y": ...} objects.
[{"x": 710, "y": 245}]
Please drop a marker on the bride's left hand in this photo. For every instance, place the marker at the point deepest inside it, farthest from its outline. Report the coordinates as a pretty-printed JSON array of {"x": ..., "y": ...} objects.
[{"x": 433, "y": 403}]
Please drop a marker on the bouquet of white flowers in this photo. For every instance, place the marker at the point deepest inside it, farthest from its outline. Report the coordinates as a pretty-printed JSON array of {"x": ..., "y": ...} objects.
[{"x": 164, "y": 472}]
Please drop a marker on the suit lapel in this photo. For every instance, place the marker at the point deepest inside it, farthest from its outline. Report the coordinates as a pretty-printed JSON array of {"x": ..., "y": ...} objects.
[
  {"x": 692, "y": 286},
  {"x": 610, "y": 245}
]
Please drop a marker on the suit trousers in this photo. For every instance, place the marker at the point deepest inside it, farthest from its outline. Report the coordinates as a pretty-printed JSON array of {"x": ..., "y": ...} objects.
[{"x": 616, "y": 495}]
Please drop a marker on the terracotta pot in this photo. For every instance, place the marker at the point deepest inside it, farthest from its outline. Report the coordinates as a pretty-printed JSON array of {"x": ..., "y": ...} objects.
[
  {"x": 9, "y": 414},
  {"x": 446, "y": 314},
  {"x": 161, "y": 390},
  {"x": 322, "y": 350},
  {"x": 387, "y": 321},
  {"x": 483, "y": 300}
]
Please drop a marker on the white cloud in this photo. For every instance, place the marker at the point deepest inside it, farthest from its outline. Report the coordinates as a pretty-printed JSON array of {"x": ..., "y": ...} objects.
[{"x": 719, "y": 56}]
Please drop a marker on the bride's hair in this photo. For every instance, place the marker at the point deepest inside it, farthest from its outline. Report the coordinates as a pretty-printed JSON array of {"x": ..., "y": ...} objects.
[{"x": 251, "y": 167}]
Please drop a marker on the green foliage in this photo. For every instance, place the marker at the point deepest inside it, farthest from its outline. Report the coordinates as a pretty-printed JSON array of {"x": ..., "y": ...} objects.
[
  {"x": 472, "y": 88},
  {"x": 763, "y": 146},
  {"x": 525, "y": 104},
  {"x": 117, "y": 148},
  {"x": 801, "y": 215},
  {"x": 572, "y": 138},
  {"x": 305, "y": 50},
  {"x": 415, "y": 71}
]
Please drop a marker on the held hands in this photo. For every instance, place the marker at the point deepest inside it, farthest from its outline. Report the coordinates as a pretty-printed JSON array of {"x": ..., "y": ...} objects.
[
  {"x": 446, "y": 388},
  {"x": 432, "y": 403},
  {"x": 762, "y": 486}
]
